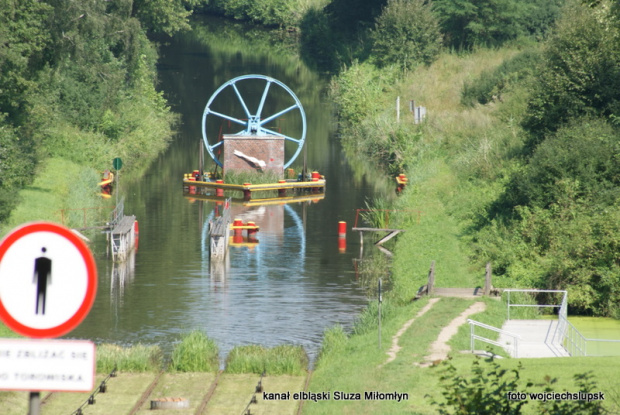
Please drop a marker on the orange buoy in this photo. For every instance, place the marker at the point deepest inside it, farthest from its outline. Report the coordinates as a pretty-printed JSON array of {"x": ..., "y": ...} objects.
[
  {"x": 342, "y": 229},
  {"x": 247, "y": 193},
  {"x": 281, "y": 192},
  {"x": 219, "y": 191},
  {"x": 237, "y": 232}
]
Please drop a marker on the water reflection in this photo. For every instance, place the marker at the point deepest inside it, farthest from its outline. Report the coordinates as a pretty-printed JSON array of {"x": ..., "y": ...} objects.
[{"x": 122, "y": 275}]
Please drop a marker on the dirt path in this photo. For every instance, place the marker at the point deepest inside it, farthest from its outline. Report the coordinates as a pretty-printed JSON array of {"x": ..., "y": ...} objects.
[
  {"x": 439, "y": 348},
  {"x": 395, "y": 347}
]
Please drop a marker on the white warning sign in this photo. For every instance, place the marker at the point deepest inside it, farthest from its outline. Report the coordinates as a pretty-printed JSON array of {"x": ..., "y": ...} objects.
[{"x": 47, "y": 365}]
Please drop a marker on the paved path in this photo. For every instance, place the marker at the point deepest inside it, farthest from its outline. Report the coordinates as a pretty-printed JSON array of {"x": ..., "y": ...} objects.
[{"x": 537, "y": 338}]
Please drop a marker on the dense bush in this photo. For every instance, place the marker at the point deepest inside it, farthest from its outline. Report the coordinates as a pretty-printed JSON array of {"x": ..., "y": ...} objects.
[
  {"x": 266, "y": 12},
  {"x": 335, "y": 36},
  {"x": 486, "y": 389},
  {"x": 581, "y": 74},
  {"x": 557, "y": 224},
  {"x": 585, "y": 153},
  {"x": 469, "y": 23},
  {"x": 406, "y": 34},
  {"x": 491, "y": 84},
  {"x": 357, "y": 91}
]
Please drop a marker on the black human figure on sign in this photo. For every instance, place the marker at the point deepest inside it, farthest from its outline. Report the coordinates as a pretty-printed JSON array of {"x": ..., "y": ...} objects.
[{"x": 43, "y": 278}]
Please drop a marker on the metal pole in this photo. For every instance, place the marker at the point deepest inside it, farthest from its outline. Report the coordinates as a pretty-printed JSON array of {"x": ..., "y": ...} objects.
[
  {"x": 34, "y": 407},
  {"x": 305, "y": 168},
  {"x": 380, "y": 299},
  {"x": 117, "y": 177},
  {"x": 508, "y": 306}
]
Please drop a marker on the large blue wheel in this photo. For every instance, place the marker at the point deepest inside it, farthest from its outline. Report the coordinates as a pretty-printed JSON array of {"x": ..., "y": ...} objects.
[{"x": 254, "y": 123}]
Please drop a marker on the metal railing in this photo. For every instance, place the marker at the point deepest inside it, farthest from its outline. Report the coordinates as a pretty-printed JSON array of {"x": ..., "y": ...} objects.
[
  {"x": 566, "y": 334},
  {"x": 532, "y": 305},
  {"x": 87, "y": 217},
  {"x": 573, "y": 341},
  {"x": 474, "y": 336},
  {"x": 118, "y": 213}
]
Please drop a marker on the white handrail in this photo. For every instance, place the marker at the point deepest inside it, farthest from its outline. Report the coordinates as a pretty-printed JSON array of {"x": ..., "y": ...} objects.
[{"x": 474, "y": 336}]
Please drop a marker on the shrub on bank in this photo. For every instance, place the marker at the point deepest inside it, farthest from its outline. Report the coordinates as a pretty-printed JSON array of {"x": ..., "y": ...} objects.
[{"x": 195, "y": 353}]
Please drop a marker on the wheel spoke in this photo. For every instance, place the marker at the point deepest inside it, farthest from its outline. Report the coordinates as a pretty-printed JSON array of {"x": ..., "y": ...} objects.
[
  {"x": 262, "y": 100},
  {"x": 286, "y": 137},
  {"x": 219, "y": 143},
  {"x": 273, "y": 117},
  {"x": 245, "y": 108},
  {"x": 227, "y": 117}
]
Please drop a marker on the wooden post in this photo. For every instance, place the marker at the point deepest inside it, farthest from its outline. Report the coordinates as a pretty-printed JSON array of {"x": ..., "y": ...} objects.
[
  {"x": 487, "y": 280},
  {"x": 431, "y": 279}
]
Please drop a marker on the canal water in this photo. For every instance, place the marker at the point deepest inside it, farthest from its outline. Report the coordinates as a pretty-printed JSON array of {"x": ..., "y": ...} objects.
[{"x": 287, "y": 289}]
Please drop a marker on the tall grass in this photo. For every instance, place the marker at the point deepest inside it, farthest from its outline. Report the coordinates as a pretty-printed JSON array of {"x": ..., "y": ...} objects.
[
  {"x": 137, "y": 358},
  {"x": 334, "y": 339},
  {"x": 250, "y": 176},
  {"x": 195, "y": 353},
  {"x": 60, "y": 184},
  {"x": 374, "y": 266},
  {"x": 368, "y": 320},
  {"x": 279, "y": 360}
]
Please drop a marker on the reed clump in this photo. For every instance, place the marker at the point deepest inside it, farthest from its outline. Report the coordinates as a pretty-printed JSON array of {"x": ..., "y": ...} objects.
[
  {"x": 136, "y": 358},
  {"x": 195, "y": 353},
  {"x": 279, "y": 360}
]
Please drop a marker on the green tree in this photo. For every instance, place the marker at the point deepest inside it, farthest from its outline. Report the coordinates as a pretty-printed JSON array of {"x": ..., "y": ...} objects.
[
  {"x": 406, "y": 34},
  {"x": 585, "y": 152},
  {"x": 581, "y": 73},
  {"x": 162, "y": 16},
  {"x": 466, "y": 23},
  {"x": 23, "y": 36},
  {"x": 556, "y": 226}
]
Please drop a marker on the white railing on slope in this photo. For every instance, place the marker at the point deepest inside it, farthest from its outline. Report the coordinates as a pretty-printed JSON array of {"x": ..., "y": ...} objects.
[
  {"x": 474, "y": 336},
  {"x": 566, "y": 335}
]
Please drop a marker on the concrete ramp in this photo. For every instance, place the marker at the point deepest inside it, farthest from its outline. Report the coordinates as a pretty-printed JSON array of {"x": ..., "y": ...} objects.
[{"x": 537, "y": 338}]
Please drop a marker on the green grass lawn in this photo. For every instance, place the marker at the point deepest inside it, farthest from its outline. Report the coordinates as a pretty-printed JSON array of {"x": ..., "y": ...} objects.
[{"x": 356, "y": 365}]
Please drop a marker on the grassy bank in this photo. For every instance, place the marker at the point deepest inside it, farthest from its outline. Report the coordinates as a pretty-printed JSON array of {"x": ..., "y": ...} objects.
[
  {"x": 357, "y": 364},
  {"x": 457, "y": 163},
  {"x": 60, "y": 184}
]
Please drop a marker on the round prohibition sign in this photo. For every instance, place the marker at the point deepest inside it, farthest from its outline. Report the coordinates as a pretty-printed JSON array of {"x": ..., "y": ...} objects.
[{"x": 48, "y": 280}]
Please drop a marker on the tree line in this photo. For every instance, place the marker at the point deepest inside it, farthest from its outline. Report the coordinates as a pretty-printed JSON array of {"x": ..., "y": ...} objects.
[
  {"x": 77, "y": 81},
  {"x": 554, "y": 223}
]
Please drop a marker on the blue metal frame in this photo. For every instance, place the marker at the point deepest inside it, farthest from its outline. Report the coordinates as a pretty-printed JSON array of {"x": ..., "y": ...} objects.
[{"x": 255, "y": 124}]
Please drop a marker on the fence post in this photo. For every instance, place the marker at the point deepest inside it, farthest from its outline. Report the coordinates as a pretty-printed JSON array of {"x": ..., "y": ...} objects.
[
  {"x": 508, "y": 306},
  {"x": 431, "y": 279},
  {"x": 487, "y": 280}
]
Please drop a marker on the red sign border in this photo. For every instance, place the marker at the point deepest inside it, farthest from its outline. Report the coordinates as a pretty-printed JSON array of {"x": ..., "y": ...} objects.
[{"x": 91, "y": 284}]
